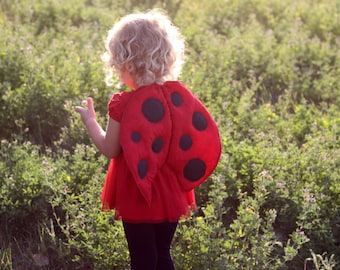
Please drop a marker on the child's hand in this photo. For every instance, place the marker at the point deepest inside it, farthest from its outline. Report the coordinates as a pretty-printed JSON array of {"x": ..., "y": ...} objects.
[{"x": 86, "y": 111}]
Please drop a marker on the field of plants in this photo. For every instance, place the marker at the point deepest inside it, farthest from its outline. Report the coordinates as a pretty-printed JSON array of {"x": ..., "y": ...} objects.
[{"x": 268, "y": 71}]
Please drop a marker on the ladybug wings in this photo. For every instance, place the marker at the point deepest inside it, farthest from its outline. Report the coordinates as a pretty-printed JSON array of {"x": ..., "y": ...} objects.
[
  {"x": 195, "y": 146},
  {"x": 165, "y": 125}
]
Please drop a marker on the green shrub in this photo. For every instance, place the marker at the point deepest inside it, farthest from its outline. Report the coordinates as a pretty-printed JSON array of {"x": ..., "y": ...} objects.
[
  {"x": 268, "y": 71},
  {"x": 25, "y": 186}
]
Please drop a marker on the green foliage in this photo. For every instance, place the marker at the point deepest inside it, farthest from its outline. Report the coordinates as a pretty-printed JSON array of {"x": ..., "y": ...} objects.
[
  {"x": 24, "y": 185},
  {"x": 268, "y": 71},
  {"x": 321, "y": 262},
  {"x": 200, "y": 239},
  {"x": 89, "y": 238}
]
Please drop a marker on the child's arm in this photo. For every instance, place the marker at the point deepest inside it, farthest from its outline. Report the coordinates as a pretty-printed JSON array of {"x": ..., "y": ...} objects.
[{"x": 106, "y": 142}]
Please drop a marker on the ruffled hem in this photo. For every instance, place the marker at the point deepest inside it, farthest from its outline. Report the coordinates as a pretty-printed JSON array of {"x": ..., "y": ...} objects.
[
  {"x": 167, "y": 219},
  {"x": 121, "y": 194}
]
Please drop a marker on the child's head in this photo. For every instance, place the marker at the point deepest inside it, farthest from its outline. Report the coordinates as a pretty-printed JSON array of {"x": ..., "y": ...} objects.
[{"x": 147, "y": 46}]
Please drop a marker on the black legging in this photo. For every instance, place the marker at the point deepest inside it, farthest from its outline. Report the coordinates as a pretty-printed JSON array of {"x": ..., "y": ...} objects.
[{"x": 149, "y": 245}]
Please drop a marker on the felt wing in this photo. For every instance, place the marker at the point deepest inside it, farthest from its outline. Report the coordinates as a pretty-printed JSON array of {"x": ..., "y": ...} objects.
[
  {"x": 165, "y": 125},
  {"x": 195, "y": 147},
  {"x": 145, "y": 133}
]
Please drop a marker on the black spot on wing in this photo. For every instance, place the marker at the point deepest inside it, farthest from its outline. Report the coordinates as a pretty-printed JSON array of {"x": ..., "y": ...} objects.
[
  {"x": 157, "y": 145},
  {"x": 153, "y": 110},
  {"x": 136, "y": 136},
  {"x": 185, "y": 142},
  {"x": 142, "y": 168},
  {"x": 176, "y": 99},
  {"x": 194, "y": 169},
  {"x": 199, "y": 121}
]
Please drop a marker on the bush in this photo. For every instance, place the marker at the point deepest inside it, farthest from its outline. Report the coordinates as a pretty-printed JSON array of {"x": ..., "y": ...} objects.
[{"x": 267, "y": 71}]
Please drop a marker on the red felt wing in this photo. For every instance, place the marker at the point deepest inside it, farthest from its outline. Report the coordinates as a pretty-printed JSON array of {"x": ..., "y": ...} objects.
[
  {"x": 195, "y": 147},
  {"x": 145, "y": 133},
  {"x": 167, "y": 125}
]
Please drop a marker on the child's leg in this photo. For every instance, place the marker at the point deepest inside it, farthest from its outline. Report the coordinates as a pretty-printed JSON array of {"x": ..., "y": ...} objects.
[
  {"x": 149, "y": 245},
  {"x": 142, "y": 245},
  {"x": 164, "y": 234}
]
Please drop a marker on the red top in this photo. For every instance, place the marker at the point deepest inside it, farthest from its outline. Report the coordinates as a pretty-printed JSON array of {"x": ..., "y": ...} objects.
[{"x": 170, "y": 145}]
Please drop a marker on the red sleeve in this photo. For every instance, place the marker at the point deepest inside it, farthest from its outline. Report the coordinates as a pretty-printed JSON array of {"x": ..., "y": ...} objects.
[{"x": 116, "y": 105}]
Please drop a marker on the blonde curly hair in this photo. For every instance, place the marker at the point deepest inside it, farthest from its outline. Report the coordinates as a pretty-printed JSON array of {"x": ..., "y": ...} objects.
[{"x": 148, "y": 46}]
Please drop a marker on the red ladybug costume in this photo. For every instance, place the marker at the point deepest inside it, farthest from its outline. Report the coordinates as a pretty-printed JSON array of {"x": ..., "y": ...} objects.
[{"x": 170, "y": 145}]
